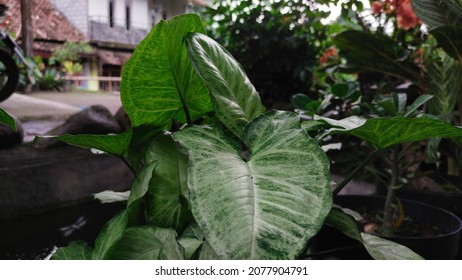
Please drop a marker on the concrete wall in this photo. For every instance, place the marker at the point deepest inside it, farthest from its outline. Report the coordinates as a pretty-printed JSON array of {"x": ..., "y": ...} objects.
[{"x": 35, "y": 180}]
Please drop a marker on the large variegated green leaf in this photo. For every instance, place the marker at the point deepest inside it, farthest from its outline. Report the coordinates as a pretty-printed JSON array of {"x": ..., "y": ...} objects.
[
  {"x": 77, "y": 250},
  {"x": 378, "y": 248},
  {"x": 386, "y": 132},
  {"x": 235, "y": 100},
  {"x": 266, "y": 207},
  {"x": 147, "y": 243},
  {"x": 168, "y": 192},
  {"x": 5, "y": 118},
  {"x": 158, "y": 82}
]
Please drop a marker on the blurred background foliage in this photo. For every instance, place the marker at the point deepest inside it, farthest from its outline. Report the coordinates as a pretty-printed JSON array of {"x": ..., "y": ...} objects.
[{"x": 368, "y": 58}]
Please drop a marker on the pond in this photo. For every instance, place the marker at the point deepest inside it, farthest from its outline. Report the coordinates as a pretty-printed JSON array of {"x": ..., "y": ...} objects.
[{"x": 34, "y": 237}]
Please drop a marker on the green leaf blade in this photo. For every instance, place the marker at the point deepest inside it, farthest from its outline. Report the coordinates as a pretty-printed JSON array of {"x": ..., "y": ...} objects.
[
  {"x": 158, "y": 82},
  {"x": 147, "y": 243},
  {"x": 168, "y": 205},
  {"x": 114, "y": 144},
  {"x": 234, "y": 98},
  {"x": 268, "y": 207},
  {"x": 77, "y": 250},
  {"x": 109, "y": 235},
  {"x": 6, "y": 119},
  {"x": 377, "y": 247},
  {"x": 383, "y": 249},
  {"x": 386, "y": 132},
  {"x": 374, "y": 52}
]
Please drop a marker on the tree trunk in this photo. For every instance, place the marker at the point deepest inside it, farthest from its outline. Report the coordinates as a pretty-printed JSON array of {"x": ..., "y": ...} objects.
[{"x": 27, "y": 34}]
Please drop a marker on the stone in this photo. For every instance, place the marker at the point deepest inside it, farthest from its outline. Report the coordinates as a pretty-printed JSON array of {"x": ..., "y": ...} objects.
[
  {"x": 96, "y": 119},
  {"x": 123, "y": 119}
]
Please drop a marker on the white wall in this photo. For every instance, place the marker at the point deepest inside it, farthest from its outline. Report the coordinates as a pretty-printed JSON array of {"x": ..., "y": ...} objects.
[
  {"x": 99, "y": 8},
  {"x": 140, "y": 15},
  {"x": 139, "y": 12}
]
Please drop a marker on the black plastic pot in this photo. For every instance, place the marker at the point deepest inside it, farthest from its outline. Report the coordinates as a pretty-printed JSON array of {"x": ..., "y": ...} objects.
[{"x": 443, "y": 246}]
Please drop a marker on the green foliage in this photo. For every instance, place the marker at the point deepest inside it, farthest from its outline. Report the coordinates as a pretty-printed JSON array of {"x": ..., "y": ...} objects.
[
  {"x": 6, "y": 119},
  {"x": 277, "y": 42},
  {"x": 77, "y": 250},
  {"x": 377, "y": 53},
  {"x": 378, "y": 248},
  {"x": 50, "y": 80},
  {"x": 444, "y": 19},
  {"x": 178, "y": 92},
  {"x": 235, "y": 100},
  {"x": 384, "y": 133},
  {"x": 70, "y": 51},
  {"x": 284, "y": 184},
  {"x": 243, "y": 184}
]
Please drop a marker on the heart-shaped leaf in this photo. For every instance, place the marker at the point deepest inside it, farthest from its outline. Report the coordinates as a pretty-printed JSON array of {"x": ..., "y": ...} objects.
[
  {"x": 266, "y": 207},
  {"x": 235, "y": 100},
  {"x": 159, "y": 83}
]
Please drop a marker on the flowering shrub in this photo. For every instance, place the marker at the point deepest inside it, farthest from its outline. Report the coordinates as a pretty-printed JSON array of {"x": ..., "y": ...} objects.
[{"x": 401, "y": 9}]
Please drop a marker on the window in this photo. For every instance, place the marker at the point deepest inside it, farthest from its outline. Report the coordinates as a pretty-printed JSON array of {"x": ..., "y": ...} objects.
[
  {"x": 111, "y": 13},
  {"x": 127, "y": 16}
]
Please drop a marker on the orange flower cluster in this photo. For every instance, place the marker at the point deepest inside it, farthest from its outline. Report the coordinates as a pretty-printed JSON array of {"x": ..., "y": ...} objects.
[
  {"x": 405, "y": 15},
  {"x": 329, "y": 54}
]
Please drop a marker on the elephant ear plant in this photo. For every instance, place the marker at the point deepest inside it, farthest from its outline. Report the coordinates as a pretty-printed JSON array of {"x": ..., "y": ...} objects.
[{"x": 217, "y": 177}]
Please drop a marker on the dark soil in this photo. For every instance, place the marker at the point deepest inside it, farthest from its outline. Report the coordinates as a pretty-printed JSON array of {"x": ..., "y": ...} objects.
[{"x": 372, "y": 223}]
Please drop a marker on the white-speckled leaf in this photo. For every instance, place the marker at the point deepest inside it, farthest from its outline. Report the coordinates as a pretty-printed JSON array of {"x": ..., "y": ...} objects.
[
  {"x": 267, "y": 207},
  {"x": 234, "y": 98}
]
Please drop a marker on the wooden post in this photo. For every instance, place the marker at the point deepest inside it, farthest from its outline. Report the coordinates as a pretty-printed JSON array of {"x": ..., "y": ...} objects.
[{"x": 27, "y": 33}]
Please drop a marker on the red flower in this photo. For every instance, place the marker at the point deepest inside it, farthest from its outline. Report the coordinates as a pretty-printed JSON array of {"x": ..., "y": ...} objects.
[
  {"x": 405, "y": 16},
  {"x": 376, "y": 7},
  {"x": 329, "y": 54}
]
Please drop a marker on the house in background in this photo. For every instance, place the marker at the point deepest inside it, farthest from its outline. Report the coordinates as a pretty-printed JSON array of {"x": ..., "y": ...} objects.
[{"x": 112, "y": 27}]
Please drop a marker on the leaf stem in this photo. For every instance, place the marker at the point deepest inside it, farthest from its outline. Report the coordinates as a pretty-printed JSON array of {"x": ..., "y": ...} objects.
[{"x": 353, "y": 173}]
